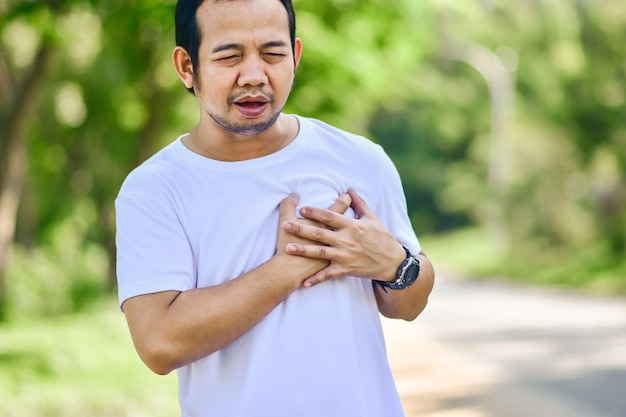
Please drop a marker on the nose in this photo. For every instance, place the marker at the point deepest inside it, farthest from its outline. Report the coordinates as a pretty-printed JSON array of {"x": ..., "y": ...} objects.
[{"x": 253, "y": 72}]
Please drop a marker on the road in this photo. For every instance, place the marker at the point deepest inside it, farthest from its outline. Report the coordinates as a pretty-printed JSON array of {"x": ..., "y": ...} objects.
[{"x": 492, "y": 349}]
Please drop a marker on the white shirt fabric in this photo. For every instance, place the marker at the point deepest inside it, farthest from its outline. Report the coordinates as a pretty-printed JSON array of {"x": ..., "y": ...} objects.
[{"x": 185, "y": 221}]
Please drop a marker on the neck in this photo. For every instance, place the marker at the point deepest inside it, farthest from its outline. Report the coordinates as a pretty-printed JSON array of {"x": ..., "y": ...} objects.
[{"x": 213, "y": 141}]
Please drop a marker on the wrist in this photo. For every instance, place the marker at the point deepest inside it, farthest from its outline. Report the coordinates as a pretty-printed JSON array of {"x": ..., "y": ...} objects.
[
  {"x": 406, "y": 275},
  {"x": 297, "y": 268},
  {"x": 399, "y": 256}
]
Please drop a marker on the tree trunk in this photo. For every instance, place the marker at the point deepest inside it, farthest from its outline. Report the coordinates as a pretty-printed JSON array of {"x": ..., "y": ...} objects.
[{"x": 13, "y": 158}]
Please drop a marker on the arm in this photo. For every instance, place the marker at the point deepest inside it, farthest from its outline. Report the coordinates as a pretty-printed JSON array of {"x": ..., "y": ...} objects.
[
  {"x": 172, "y": 328},
  {"x": 361, "y": 247},
  {"x": 408, "y": 303}
]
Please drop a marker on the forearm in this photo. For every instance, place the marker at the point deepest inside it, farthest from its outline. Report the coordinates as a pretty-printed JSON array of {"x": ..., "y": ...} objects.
[
  {"x": 172, "y": 329},
  {"x": 408, "y": 303}
]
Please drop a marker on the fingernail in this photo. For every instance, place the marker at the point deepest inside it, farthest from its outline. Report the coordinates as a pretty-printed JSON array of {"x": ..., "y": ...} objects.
[{"x": 291, "y": 248}]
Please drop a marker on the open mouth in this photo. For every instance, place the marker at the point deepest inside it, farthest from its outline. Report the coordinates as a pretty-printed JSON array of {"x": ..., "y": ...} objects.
[
  {"x": 252, "y": 107},
  {"x": 251, "y": 104}
]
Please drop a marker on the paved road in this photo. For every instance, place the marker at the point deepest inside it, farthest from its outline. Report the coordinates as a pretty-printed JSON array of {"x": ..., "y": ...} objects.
[{"x": 488, "y": 349}]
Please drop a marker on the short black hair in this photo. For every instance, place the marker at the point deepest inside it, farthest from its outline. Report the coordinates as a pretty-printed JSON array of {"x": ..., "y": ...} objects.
[{"x": 188, "y": 33}]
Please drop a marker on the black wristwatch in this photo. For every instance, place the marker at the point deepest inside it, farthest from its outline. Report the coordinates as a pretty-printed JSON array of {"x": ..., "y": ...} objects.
[{"x": 407, "y": 274}]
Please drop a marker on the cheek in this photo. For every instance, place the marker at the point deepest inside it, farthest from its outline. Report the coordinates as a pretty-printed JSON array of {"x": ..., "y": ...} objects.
[
  {"x": 212, "y": 88},
  {"x": 216, "y": 78},
  {"x": 283, "y": 83}
]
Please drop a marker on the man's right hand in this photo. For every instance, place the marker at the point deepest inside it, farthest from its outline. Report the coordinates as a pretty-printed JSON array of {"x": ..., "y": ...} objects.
[
  {"x": 302, "y": 265},
  {"x": 173, "y": 328}
]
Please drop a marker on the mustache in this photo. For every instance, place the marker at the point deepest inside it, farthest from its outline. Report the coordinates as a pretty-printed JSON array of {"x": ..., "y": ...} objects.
[{"x": 253, "y": 92}]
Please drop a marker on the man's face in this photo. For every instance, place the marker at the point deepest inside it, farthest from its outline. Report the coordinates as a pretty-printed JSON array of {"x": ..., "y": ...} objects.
[{"x": 246, "y": 65}]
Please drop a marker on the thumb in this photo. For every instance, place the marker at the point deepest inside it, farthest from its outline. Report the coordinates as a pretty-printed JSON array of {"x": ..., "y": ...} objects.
[
  {"x": 342, "y": 204},
  {"x": 358, "y": 204},
  {"x": 319, "y": 277},
  {"x": 287, "y": 208}
]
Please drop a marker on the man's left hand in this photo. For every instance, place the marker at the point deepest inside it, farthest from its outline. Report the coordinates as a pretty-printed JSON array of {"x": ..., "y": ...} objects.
[{"x": 360, "y": 247}]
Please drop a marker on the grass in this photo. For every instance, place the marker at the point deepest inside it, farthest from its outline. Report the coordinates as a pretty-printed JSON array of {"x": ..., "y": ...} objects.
[
  {"x": 79, "y": 365},
  {"x": 85, "y": 364},
  {"x": 466, "y": 251},
  {"x": 476, "y": 253}
]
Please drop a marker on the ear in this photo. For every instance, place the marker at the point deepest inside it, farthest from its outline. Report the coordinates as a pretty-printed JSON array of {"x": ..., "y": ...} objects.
[
  {"x": 297, "y": 51},
  {"x": 183, "y": 66}
]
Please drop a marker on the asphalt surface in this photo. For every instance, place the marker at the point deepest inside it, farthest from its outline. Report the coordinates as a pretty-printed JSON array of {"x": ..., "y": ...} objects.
[{"x": 492, "y": 349}]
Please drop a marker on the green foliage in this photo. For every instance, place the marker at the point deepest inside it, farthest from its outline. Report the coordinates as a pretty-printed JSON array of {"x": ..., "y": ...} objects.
[
  {"x": 422, "y": 154},
  {"x": 549, "y": 182},
  {"x": 356, "y": 54},
  {"x": 475, "y": 253},
  {"x": 64, "y": 276},
  {"x": 76, "y": 366},
  {"x": 547, "y": 179}
]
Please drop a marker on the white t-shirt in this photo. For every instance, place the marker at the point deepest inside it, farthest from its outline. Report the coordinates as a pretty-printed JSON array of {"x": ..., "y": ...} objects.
[{"x": 186, "y": 221}]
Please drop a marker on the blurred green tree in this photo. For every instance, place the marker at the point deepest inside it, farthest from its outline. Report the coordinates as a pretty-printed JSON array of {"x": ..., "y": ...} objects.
[
  {"x": 90, "y": 94},
  {"x": 559, "y": 159},
  {"x": 110, "y": 99}
]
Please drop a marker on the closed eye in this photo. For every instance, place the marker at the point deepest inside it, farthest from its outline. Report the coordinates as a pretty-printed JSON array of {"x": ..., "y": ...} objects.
[
  {"x": 227, "y": 58},
  {"x": 273, "y": 56}
]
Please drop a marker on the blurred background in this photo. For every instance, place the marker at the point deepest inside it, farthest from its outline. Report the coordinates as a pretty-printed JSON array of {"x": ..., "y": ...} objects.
[{"x": 506, "y": 120}]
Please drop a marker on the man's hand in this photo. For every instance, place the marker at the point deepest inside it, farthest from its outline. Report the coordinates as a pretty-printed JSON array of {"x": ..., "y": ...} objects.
[
  {"x": 288, "y": 215},
  {"x": 174, "y": 328},
  {"x": 360, "y": 247}
]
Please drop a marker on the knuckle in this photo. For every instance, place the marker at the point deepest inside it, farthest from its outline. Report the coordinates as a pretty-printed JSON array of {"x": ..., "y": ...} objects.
[
  {"x": 327, "y": 216},
  {"x": 318, "y": 234},
  {"x": 326, "y": 276},
  {"x": 358, "y": 229}
]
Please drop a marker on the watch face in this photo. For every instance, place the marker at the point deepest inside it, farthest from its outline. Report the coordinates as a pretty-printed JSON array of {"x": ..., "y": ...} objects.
[
  {"x": 408, "y": 275},
  {"x": 411, "y": 272}
]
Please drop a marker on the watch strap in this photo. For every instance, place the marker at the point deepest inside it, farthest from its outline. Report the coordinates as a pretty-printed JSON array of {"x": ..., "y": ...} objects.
[{"x": 407, "y": 273}]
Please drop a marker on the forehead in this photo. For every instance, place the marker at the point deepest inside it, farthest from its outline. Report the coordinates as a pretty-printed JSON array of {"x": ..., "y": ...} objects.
[{"x": 236, "y": 21}]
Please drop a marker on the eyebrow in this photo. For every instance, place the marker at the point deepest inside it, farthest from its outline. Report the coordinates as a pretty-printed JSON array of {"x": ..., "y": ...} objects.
[{"x": 238, "y": 47}]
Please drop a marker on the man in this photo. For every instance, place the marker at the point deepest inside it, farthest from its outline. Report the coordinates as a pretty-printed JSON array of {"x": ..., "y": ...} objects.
[{"x": 230, "y": 269}]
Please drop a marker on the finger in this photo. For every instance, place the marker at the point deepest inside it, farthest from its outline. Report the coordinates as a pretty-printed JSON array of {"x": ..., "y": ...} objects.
[
  {"x": 342, "y": 204},
  {"x": 311, "y": 251},
  {"x": 322, "y": 275},
  {"x": 313, "y": 233},
  {"x": 358, "y": 204},
  {"x": 287, "y": 209},
  {"x": 317, "y": 278},
  {"x": 326, "y": 217}
]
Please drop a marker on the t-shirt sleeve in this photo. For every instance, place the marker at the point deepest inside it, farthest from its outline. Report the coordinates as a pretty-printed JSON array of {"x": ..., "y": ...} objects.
[
  {"x": 391, "y": 207},
  {"x": 153, "y": 251}
]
